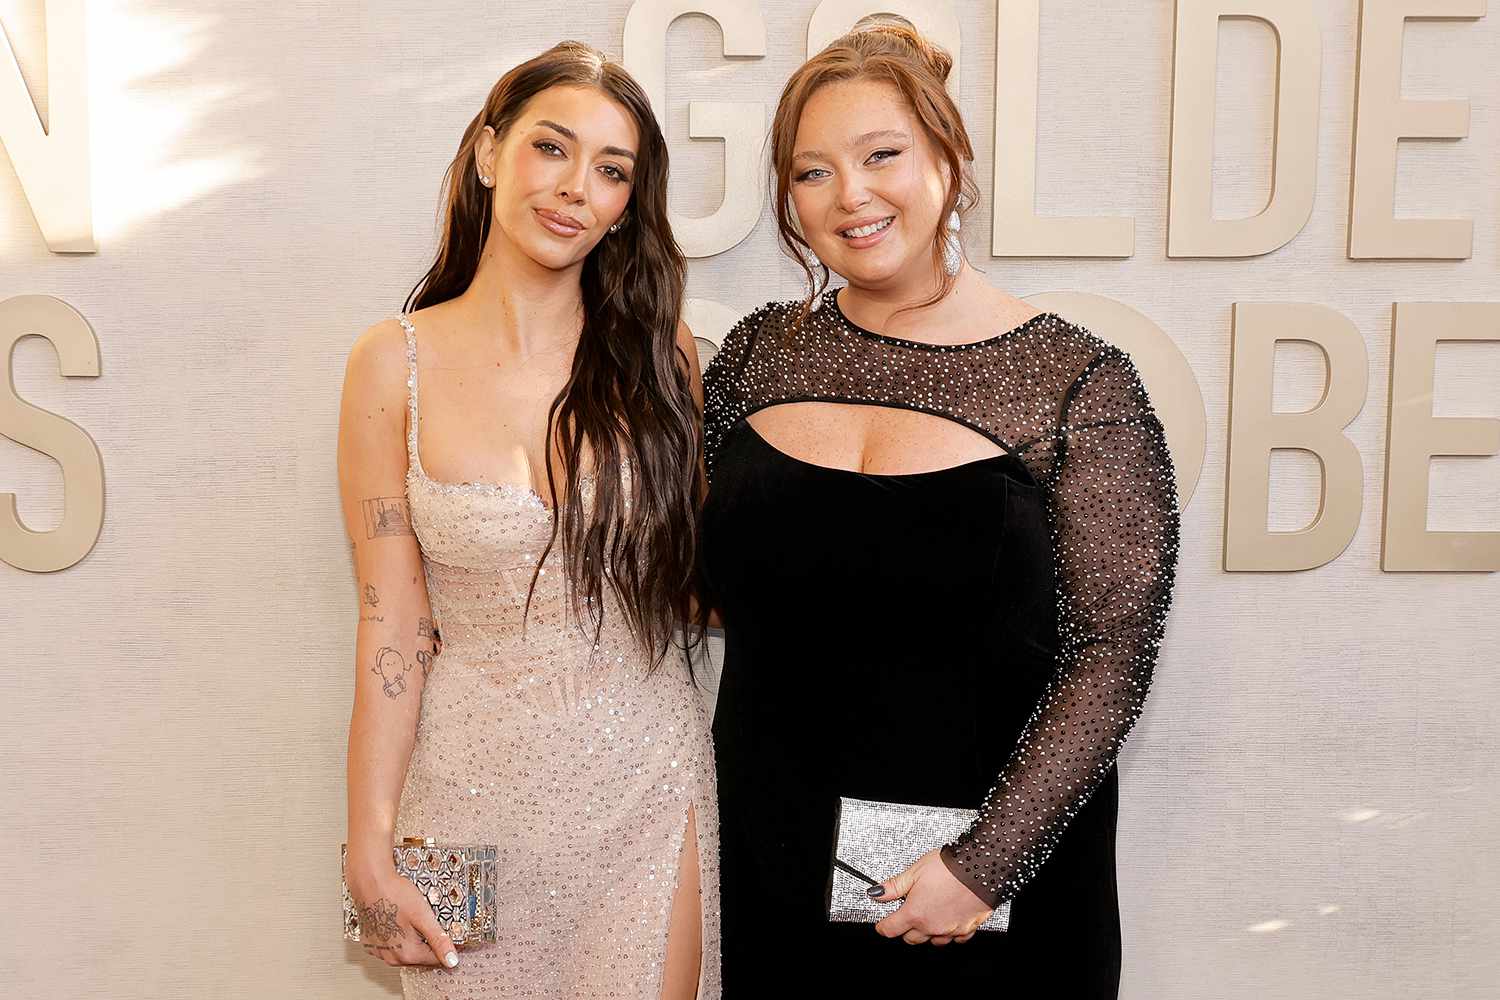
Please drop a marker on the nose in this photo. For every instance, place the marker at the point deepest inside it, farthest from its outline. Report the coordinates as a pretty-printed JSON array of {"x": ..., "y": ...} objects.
[
  {"x": 852, "y": 195},
  {"x": 570, "y": 185}
]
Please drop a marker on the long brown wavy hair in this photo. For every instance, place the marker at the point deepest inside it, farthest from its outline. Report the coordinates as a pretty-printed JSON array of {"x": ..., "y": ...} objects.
[
  {"x": 890, "y": 51},
  {"x": 627, "y": 397}
]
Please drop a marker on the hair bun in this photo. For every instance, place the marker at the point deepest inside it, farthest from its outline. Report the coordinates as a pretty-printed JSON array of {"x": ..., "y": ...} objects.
[{"x": 901, "y": 31}]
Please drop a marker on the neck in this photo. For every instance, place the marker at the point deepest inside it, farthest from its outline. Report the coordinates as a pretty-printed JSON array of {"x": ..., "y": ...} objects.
[
  {"x": 528, "y": 307},
  {"x": 880, "y": 308}
]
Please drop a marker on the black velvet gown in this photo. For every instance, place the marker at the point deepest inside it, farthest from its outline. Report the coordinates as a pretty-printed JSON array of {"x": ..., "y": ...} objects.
[{"x": 978, "y": 636}]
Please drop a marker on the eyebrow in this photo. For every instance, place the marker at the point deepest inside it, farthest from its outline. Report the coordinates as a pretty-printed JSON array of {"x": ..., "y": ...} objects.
[
  {"x": 573, "y": 136},
  {"x": 859, "y": 140}
]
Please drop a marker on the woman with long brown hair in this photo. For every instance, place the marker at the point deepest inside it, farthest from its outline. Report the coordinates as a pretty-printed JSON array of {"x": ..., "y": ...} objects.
[
  {"x": 941, "y": 534},
  {"x": 518, "y": 459}
]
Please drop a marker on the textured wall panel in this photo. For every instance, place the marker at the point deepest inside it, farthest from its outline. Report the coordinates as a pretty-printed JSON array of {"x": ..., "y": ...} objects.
[{"x": 1309, "y": 804}]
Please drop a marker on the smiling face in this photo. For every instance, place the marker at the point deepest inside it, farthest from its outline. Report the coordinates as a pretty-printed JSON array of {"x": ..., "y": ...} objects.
[
  {"x": 562, "y": 173},
  {"x": 868, "y": 185}
]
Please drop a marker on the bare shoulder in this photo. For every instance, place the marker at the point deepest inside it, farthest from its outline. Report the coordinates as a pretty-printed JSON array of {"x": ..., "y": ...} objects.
[
  {"x": 687, "y": 342},
  {"x": 1004, "y": 310},
  {"x": 377, "y": 361}
]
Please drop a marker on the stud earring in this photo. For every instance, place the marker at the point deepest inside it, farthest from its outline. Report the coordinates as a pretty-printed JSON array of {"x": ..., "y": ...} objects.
[
  {"x": 953, "y": 250},
  {"x": 485, "y": 179}
]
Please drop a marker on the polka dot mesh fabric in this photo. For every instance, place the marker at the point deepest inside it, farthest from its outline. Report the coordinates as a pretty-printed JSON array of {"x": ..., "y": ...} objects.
[{"x": 1074, "y": 410}]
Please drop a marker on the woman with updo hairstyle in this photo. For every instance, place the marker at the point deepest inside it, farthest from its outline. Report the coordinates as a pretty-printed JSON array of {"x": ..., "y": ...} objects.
[
  {"x": 519, "y": 463},
  {"x": 941, "y": 536}
]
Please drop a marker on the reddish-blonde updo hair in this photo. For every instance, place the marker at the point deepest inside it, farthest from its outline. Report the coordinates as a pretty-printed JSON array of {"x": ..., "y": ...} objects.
[{"x": 890, "y": 52}]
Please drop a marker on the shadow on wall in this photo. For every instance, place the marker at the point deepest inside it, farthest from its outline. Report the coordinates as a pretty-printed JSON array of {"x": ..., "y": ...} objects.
[
  {"x": 161, "y": 109},
  {"x": 162, "y": 131}
]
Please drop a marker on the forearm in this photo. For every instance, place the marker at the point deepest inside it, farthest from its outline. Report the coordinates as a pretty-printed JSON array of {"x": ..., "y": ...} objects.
[{"x": 392, "y": 660}]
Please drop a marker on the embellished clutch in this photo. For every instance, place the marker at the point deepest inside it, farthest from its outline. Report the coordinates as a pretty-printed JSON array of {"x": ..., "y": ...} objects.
[
  {"x": 877, "y": 840},
  {"x": 459, "y": 883}
]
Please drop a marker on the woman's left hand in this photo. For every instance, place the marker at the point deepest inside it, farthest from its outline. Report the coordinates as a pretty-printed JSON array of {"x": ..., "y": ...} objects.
[{"x": 938, "y": 908}]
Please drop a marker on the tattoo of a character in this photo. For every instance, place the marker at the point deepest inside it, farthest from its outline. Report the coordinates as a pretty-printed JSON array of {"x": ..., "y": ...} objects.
[
  {"x": 428, "y": 631},
  {"x": 392, "y": 668},
  {"x": 385, "y": 516},
  {"x": 378, "y": 921},
  {"x": 371, "y": 597}
]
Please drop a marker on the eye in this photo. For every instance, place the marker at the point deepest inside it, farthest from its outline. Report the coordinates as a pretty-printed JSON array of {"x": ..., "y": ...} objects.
[
  {"x": 881, "y": 155},
  {"x": 614, "y": 173},
  {"x": 810, "y": 175},
  {"x": 547, "y": 147}
]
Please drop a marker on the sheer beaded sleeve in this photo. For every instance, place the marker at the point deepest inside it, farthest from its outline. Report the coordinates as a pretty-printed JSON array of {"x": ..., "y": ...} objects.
[
  {"x": 1073, "y": 409},
  {"x": 1115, "y": 540}
]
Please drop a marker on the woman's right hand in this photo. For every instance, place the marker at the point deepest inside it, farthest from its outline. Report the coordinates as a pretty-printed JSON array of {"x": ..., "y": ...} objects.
[{"x": 396, "y": 923}]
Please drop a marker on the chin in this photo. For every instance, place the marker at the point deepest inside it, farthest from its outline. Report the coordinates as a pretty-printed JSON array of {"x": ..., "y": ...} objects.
[
  {"x": 870, "y": 274},
  {"x": 553, "y": 258}
]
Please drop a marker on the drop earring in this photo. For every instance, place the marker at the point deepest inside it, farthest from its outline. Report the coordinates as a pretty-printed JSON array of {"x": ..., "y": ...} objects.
[
  {"x": 813, "y": 266},
  {"x": 953, "y": 250}
]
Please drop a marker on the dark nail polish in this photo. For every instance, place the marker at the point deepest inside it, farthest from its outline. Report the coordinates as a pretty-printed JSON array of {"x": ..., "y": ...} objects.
[{"x": 876, "y": 891}]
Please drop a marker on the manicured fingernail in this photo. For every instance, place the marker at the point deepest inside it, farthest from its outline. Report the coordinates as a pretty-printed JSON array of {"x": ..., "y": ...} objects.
[
  {"x": 876, "y": 891},
  {"x": 451, "y": 958}
]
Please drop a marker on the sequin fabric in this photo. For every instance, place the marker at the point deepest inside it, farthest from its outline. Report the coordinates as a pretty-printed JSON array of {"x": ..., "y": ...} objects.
[
  {"x": 564, "y": 753},
  {"x": 1073, "y": 409}
]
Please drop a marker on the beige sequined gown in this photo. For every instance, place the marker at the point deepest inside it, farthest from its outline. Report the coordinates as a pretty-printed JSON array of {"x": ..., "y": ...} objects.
[{"x": 579, "y": 766}]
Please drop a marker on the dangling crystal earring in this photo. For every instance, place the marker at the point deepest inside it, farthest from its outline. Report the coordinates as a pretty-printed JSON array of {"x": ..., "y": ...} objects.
[
  {"x": 953, "y": 250},
  {"x": 814, "y": 265}
]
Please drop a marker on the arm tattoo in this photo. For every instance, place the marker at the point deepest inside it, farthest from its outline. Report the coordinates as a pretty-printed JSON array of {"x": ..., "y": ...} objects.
[
  {"x": 386, "y": 516},
  {"x": 371, "y": 597},
  {"x": 391, "y": 666},
  {"x": 378, "y": 921},
  {"x": 427, "y": 631}
]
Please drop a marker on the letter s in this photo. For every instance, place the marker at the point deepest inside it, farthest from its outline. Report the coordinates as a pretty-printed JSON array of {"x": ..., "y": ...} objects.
[{"x": 60, "y": 439}]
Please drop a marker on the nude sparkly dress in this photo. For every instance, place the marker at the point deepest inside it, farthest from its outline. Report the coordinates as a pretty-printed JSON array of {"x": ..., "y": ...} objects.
[{"x": 579, "y": 766}]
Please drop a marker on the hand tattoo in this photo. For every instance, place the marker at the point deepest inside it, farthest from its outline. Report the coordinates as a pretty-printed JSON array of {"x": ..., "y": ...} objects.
[
  {"x": 378, "y": 921},
  {"x": 386, "y": 516}
]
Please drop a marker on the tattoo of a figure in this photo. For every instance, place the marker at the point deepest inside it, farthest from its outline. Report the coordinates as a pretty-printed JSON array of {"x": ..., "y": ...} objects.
[
  {"x": 378, "y": 921},
  {"x": 427, "y": 631},
  {"x": 386, "y": 516},
  {"x": 391, "y": 666},
  {"x": 371, "y": 597}
]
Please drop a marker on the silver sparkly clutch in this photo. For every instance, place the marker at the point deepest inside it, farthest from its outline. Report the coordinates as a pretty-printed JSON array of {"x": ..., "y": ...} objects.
[
  {"x": 878, "y": 840},
  {"x": 459, "y": 883}
]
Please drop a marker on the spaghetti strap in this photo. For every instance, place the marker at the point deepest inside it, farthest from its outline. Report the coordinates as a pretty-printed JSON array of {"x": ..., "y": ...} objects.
[{"x": 411, "y": 391}]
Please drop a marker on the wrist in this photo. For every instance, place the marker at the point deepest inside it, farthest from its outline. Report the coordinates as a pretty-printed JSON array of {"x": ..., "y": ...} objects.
[{"x": 366, "y": 862}]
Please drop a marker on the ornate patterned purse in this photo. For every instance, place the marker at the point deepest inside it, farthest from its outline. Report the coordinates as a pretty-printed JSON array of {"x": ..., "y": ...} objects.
[
  {"x": 877, "y": 840},
  {"x": 459, "y": 882}
]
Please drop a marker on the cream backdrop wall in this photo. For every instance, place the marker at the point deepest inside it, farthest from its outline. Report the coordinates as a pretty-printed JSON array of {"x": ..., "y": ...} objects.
[{"x": 1309, "y": 804}]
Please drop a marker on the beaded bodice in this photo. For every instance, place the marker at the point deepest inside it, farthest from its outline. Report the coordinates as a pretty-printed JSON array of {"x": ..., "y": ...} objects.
[
  {"x": 1072, "y": 408},
  {"x": 480, "y": 546}
]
